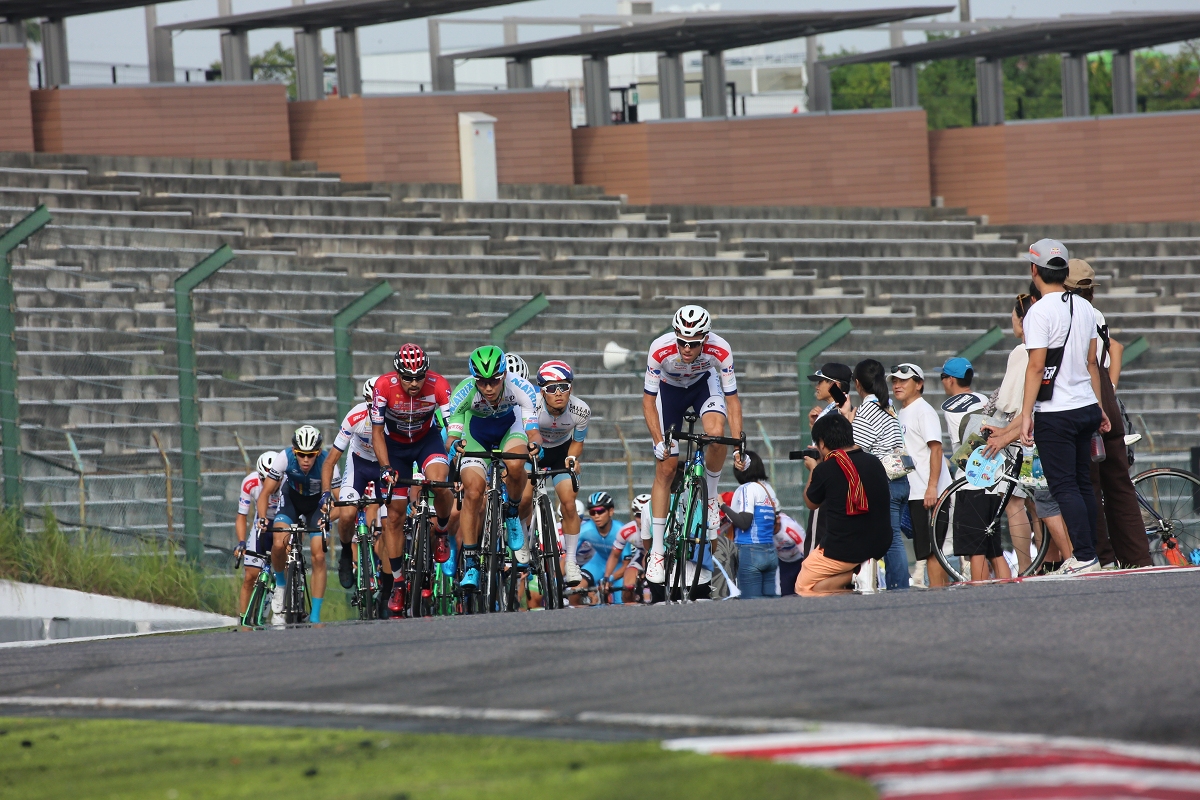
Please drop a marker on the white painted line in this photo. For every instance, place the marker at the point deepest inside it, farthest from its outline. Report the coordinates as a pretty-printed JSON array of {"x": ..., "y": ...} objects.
[{"x": 76, "y": 639}]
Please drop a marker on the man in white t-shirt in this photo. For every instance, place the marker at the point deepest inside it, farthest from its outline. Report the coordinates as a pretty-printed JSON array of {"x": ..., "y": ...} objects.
[
  {"x": 1060, "y": 408},
  {"x": 923, "y": 439}
]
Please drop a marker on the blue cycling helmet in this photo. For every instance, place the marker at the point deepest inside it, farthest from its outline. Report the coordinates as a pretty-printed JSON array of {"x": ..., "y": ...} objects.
[{"x": 600, "y": 500}]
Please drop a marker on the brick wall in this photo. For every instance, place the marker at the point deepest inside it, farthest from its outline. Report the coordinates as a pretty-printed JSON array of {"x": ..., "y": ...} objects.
[
  {"x": 840, "y": 159},
  {"x": 414, "y": 138},
  {"x": 1142, "y": 168},
  {"x": 215, "y": 120},
  {"x": 16, "y": 134}
]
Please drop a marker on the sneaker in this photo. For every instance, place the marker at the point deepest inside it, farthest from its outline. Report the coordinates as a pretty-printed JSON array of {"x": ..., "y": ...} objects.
[
  {"x": 277, "y": 606},
  {"x": 512, "y": 525},
  {"x": 470, "y": 581},
  {"x": 1073, "y": 566},
  {"x": 522, "y": 556},
  {"x": 396, "y": 601},
  {"x": 571, "y": 574},
  {"x": 656, "y": 570},
  {"x": 346, "y": 567},
  {"x": 441, "y": 548}
]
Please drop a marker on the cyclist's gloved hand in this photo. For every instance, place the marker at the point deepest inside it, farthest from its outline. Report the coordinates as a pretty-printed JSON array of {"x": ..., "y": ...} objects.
[
  {"x": 239, "y": 552},
  {"x": 571, "y": 463},
  {"x": 660, "y": 451},
  {"x": 326, "y": 499},
  {"x": 389, "y": 476},
  {"x": 261, "y": 524},
  {"x": 535, "y": 449}
]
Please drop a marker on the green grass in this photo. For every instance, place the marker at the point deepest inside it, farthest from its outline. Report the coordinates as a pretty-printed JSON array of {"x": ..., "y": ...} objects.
[
  {"x": 76, "y": 758},
  {"x": 86, "y": 562}
]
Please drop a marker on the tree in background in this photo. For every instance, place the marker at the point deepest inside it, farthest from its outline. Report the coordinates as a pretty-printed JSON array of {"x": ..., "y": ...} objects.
[
  {"x": 277, "y": 64},
  {"x": 33, "y": 31}
]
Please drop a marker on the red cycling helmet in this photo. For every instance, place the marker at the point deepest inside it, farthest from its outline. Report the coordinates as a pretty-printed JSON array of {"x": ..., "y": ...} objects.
[{"x": 410, "y": 361}]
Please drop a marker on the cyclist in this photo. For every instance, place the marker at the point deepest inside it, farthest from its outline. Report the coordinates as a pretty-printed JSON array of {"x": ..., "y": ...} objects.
[
  {"x": 563, "y": 423},
  {"x": 362, "y": 469},
  {"x": 407, "y": 417},
  {"x": 492, "y": 409},
  {"x": 516, "y": 365},
  {"x": 253, "y": 545},
  {"x": 627, "y": 557},
  {"x": 296, "y": 473},
  {"x": 689, "y": 367}
]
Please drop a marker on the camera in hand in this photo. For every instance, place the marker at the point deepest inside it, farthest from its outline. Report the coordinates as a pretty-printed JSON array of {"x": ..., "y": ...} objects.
[{"x": 808, "y": 452}]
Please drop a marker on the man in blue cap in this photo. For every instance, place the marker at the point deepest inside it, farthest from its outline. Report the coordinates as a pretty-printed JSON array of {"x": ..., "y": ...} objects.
[{"x": 972, "y": 507}]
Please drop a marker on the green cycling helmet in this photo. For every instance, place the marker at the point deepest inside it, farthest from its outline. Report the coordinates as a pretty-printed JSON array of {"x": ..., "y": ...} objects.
[{"x": 488, "y": 362}]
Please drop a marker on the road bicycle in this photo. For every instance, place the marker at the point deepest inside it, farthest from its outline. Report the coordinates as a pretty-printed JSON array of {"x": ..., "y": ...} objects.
[
  {"x": 420, "y": 575},
  {"x": 297, "y": 602},
  {"x": 258, "y": 609},
  {"x": 543, "y": 535},
  {"x": 366, "y": 598},
  {"x": 1170, "y": 503},
  {"x": 687, "y": 515}
]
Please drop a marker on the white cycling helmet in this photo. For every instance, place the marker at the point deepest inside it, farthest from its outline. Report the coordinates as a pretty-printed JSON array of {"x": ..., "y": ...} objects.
[
  {"x": 638, "y": 504},
  {"x": 579, "y": 509},
  {"x": 264, "y": 463},
  {"x": 691, "y": 322},
  {"x": 516, "y": 365},
  {"x": 307, "y": 439},
  {"x": 368, "y": 389}
]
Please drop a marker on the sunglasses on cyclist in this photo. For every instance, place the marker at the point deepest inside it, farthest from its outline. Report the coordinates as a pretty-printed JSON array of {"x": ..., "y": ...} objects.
[
  {"x": 488, "y": 381},
  {"x": 303, "y": 454},
  {"x": 597, "y": 511},
  {"x": 684, "y": 344},
  {"x": 420, "y": 378},
  {"x": 556, "y": 388}
]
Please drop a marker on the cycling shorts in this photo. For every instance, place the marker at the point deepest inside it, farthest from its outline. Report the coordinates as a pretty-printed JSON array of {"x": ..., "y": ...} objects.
[
  {"x": 258, "y": 548},
  {"x": 556, "y": 458},
  {"x": 429, "y": 449},
  {"x": 359, "y": 472},
  {"x": 490, "y": 433},
  {"x": 704, "y": 396},
  {"x": 295, "y": 506}
]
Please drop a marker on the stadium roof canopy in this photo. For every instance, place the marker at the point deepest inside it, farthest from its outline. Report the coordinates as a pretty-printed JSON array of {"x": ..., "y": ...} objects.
[
  {"x": 709, "y": 32},
  {"x": 334, "y": 14},
  {"x": 56, "y": 9},
  {"x": 1119, "y": 32}
]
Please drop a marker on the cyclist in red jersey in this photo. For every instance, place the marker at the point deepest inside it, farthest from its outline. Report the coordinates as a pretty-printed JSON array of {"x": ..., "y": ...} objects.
[{"x": 407, "y": 419}]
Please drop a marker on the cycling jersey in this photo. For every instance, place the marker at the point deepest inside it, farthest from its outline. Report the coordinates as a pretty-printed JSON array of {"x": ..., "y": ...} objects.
[
  {"x": 518, "y": 397},
  {"x": 570, "y": 425},
  {"x": 286, "y": 470},
  {"x": 248, "y": 499},
  {"x": 789, "y": 542},
  {"x": 665, "y": 366},
  {"x": 407, "y": 419},
  {"x": 355, "y": 433},
  {"x": 630, "y": 536},
  {"x": 594, "y": 546}
]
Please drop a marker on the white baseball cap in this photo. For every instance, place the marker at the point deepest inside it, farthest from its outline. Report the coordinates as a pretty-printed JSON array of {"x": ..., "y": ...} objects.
[{"x": 906, "y": 371}]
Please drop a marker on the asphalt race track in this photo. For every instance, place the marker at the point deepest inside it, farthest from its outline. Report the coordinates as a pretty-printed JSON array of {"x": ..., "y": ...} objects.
[{"x": 1102, "y": 656}]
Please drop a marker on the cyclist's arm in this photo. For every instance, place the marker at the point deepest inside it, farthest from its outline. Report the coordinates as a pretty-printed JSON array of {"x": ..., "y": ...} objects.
[
  {"x": 331, "y": 462},
  {"x": 650, "y": 411},
  {"x": 575, "y": 451},
  {"x": 270, "y": 487},
  {"x": 733, "y": 407},
  {"x": 614, "y": 556},
  {"x": 239, "y": 526},
  {"x": 379, "y": 445}
]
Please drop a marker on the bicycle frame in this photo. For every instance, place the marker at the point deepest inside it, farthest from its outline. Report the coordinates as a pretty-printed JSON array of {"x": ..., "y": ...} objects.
[
  {"x": 492, "y": 547},
  {"x": 367, "y": 582},
  {"x": 419, "y": 570},
  {"x": 544, "y": 546}
]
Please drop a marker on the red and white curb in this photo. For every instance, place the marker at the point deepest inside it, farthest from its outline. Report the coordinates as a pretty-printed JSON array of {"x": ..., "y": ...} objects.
[{"x": 931, "y": 764}]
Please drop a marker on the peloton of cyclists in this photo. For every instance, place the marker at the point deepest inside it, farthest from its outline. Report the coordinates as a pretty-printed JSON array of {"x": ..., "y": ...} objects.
[{"x": 687, "y": 368}]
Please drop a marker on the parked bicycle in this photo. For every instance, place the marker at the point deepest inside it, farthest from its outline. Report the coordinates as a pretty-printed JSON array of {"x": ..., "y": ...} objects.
[
  {"x": 687, "y": 514},
  {"x": 1170, "y": 503},
  {"x": 366, "y": 599}
]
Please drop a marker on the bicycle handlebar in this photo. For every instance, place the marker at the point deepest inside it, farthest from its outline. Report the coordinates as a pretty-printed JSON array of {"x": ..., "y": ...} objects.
[
  {"x": 550, "y": 473},
  {"x": 704, "y": 438},
  {"x": 493, "y": 455}
]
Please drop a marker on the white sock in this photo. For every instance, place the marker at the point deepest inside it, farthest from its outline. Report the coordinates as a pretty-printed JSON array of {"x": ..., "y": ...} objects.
[
  {"x": 571, "y": 540},
  {"x": 658, "y": 530},
  {"x": 396, "y": 573},
  {"x": 712, "y": 478}
]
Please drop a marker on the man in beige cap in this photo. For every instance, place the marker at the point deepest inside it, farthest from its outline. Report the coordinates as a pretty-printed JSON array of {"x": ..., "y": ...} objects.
[{"x": 1120, "y": 532}]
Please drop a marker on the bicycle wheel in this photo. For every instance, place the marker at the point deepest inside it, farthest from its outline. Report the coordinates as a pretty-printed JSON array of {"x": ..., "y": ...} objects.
[
  {"x": 295, "y": 593},
  {"x": 967, "y": 521},
  {"x": 365, "y": 590},
  {"x": 696, "y": 525},
  {"x": 260, "y": 601},
  {"x": 550, "y": 576},
  {"x": 1170, "y": 501},
  {"x": 417, "y": 569}
]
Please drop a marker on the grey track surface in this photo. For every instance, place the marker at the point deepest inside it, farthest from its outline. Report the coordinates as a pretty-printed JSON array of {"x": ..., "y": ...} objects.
[{"x": 1115, "y": 657}]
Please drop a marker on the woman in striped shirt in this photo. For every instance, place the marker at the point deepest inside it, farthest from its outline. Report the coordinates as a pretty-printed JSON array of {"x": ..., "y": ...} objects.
[{"x": 877, "y": 430}]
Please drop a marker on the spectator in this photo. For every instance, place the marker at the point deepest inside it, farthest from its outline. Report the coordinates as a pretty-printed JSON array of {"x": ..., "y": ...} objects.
[
  {"x": 877, "y": 430},
  {"x": 789, "y": 549},
  {"x": 725, "y": 556},
  {"x": 1120, "y": 531},
  {"x": 825, "y": 378},
  {"x": 923, "y": 439},
  {"x": 973, "y": 510},
  {"x": 1007, "y": 401},
  {"x": 850, "y": 488},
  {"x": 1062, "y": 384},
  {"x": 754, "y": 513}
]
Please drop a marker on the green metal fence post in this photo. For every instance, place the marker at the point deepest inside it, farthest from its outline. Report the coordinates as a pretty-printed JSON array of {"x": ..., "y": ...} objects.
[
  {"x": 507, "y": 326},
  {"x": 981, "y": 345},
  {"x": 189, "y": 417},
  {"x": 1135, "y": 349},
  {"x": 804, "y": 363},
  {"x": 343, "y": 358},
  {"x": 10, "y": 409}
]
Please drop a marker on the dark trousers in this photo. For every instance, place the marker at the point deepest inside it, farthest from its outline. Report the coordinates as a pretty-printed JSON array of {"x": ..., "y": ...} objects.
[
  {"x": 1064, "y": 444},
  {"x": 1120, "y": 530}
]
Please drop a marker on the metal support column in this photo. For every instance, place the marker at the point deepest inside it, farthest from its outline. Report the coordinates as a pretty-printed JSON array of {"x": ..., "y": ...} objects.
[
  {"x": 596, "y": 98},
  {"x": 235, "y": 56},
  {"x": 160, "y": 49},
  {"x": 10, "y": 410},
  {"x": 54, "y": 52},
  {"x": 989, "y": 91},
  {"x": 520, "y": 73},
  {"x": 310, "y": 66},
  {"x": 189, "y": 415},
  {"x": 820, "y": 93},
  {"x": 1075, "y": 85},
  {"x": 811, "y": 51},
  {"x": 349, "y": 63},
  {"x": 510, "y": 324},
  {"x": 904, "y": 86},
  {"x": 12, "y": 31},
  {"x": 712, "y": 86},
  {"x": 443, "y": 75},
  {"x": 672, "y": 99},
  {"x": 343, "y": 356},
  {"x": 1124, "y": 83},
  {"x": 805, "y": 357}
]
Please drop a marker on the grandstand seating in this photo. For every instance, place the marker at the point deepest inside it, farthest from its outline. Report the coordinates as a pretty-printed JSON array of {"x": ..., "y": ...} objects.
[{"x": 96, "y": 331}]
